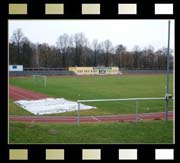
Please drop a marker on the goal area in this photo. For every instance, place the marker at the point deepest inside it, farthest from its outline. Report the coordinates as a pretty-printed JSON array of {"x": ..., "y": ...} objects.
[{"x": 40, "y": 80}]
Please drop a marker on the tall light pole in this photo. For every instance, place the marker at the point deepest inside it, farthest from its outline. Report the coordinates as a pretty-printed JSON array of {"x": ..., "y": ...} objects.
[{"x": 167, "y": 75}]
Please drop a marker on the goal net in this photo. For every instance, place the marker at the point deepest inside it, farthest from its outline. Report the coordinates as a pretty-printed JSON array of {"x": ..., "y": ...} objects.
[{"x": 40, "y": 80}]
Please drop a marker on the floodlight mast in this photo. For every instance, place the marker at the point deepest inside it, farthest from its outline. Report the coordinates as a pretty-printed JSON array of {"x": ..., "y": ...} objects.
[{"x": 167, "y": 74}]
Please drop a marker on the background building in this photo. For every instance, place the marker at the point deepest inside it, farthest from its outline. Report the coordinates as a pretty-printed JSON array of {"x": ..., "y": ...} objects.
[{"x": 95, "y": 70}]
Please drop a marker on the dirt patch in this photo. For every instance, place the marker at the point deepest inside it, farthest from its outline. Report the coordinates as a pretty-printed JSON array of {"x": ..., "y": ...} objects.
[
  {"x": 157, "y": 119},
  {"x": 52, "y": 132}
]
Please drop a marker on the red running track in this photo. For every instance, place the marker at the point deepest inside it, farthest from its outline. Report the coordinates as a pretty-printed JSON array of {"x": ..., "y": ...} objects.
[
  {"x": 88, "y": 119},
  {"x": 17, "y": 93}
]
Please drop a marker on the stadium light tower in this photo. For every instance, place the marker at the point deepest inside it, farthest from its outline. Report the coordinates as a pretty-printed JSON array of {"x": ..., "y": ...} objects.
[{"x": 167, "y": 75}]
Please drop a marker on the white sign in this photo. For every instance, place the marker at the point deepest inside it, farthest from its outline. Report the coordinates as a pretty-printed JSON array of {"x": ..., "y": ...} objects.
[{"x": 15, "y": 67}]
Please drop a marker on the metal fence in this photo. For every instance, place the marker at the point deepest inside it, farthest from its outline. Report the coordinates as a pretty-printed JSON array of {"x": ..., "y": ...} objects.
[
  {"x": 144, "y": 71},
  {"x": 47, "y": 72},
  {"x": 45, "y": 69},
  {"x": 124, "y": 99}
]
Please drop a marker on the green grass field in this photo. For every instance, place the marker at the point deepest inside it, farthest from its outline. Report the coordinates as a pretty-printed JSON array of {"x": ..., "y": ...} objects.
[
  {"x": 101, "y": 87},
  {"x": 96, "y": 87},
  {"x": 17, "y": 110},
  {"x": 143, "y": 132}
]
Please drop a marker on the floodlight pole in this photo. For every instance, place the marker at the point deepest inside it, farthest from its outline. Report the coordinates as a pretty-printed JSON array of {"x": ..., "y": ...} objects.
[{"x": 167, "y": 75}]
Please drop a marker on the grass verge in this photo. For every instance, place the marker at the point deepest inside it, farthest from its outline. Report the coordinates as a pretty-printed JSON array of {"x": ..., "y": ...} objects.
[{"x": 144, "y": 132}]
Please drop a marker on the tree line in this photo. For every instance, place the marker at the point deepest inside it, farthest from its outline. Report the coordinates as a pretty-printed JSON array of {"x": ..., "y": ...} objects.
[{"x": 76, "y": 50}]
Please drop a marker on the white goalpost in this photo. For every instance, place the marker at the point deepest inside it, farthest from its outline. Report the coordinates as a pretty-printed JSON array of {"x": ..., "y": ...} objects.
[{"x": 40, "y": 80}]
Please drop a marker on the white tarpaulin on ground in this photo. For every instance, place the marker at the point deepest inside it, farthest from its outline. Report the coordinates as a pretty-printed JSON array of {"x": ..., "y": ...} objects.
[{"x": 51, "y": 105}]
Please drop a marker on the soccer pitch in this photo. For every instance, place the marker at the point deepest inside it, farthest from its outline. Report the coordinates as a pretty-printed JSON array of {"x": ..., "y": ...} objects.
[{"x": 103, "y": 87}]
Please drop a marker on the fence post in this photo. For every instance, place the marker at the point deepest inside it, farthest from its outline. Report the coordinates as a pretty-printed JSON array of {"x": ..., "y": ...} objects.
[
  {"x": 137, "y": 114},
  {"x": 166, "y": 107},
  {"x": 78, "y": 114}
]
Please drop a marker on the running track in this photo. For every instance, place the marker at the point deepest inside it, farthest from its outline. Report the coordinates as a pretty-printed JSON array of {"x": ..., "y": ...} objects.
[
  {"x": 88, "y": 119},
  {"x": 17, "y": 93}
]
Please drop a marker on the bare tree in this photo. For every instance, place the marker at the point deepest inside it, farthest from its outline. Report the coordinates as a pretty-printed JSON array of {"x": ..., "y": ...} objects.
[
  {"x": 136, "y": 54},
  {"x": 107, "y": 49},
  {"x": 27, "y": 53},
  {"x": 35, "y": 62},
  {"x": 44, "y": 55},
  {"x": 79, "y": 42},
  {"x": 100, "y": 54},
  {"x": 12, "y": 53},
  {"x": 162, "y": 58},
  {"x": 95, "y": 48},
  {"x": 148, "y": 57},
  {"x": 75, "y": 51},
  {"x": 63, "y": 44},
  {"x": 17, "y": 39},
  {"x": 120, "y": 51}
]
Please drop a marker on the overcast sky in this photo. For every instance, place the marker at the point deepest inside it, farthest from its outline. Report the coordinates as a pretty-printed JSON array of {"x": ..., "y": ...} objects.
[{"x": 127, "y": 32}]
